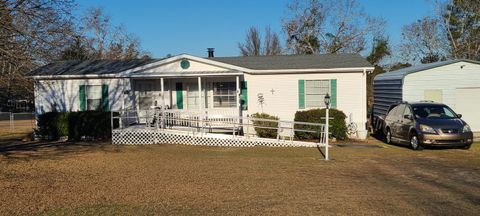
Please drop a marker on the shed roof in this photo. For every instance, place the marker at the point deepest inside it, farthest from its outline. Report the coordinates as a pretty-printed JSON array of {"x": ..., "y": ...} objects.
[{"x": 400, "y": 74}]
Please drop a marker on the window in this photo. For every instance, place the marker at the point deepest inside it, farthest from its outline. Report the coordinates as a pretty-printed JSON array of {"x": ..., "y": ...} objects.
[
  {"x": 94, "y": 97},
  {"x": 192, "y": 96},
  {"x": 224, "y": 94},
  {"x": 315, "y": 91},
  {"x": 145, "y": 90},
  {"x": 433, "y": 112}
]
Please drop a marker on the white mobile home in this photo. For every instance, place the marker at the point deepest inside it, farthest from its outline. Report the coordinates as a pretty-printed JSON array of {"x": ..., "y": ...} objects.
[
  {"x": 455, "y": 83},
  {"x": 277, "y": 85}
]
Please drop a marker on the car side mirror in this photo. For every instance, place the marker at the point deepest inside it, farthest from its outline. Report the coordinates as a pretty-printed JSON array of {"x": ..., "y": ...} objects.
[
  {"x": 459, "y": 115},
  {"x": 409, "y": 117}
]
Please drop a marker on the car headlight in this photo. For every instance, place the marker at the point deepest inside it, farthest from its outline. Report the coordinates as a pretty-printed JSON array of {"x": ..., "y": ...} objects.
[
  {"x": 427, "y": 129},
  {"x": 466, "y": 128}
]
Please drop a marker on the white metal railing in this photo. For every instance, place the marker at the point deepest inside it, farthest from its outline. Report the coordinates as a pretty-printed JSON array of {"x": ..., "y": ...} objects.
[{"x": 200, "y": 123}]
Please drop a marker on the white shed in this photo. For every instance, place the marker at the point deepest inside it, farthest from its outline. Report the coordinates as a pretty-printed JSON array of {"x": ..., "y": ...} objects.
[{"x": 455, "y": 83}]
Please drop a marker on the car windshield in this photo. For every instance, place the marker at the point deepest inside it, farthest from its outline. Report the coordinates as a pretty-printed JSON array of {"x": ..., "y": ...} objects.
[{"x": 433, "y": 112}]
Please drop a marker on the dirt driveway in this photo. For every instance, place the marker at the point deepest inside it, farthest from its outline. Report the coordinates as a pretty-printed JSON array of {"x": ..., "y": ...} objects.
[{"x": 58, "y": 178}]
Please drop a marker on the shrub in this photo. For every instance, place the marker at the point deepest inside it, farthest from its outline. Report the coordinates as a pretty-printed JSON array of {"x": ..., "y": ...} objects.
[
  {"x": 265, "y": 132},
  {"x": 75, "y": 125},
  {"x": 338, "y": 127}
]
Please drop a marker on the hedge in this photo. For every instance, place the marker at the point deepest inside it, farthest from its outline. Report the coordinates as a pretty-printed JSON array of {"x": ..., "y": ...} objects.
[
  {"x": 265, "y": 132},
  {"x": 338, "y": 128},
  {"x": 75, "y": 125}
]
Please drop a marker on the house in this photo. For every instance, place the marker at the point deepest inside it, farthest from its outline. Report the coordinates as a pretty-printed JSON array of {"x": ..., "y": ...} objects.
[
  {"x": 277, "y": 85},
  {"x": 455, "y": 83}
]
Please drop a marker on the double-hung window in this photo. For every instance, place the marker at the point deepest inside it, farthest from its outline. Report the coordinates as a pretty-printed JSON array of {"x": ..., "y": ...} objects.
[
  {"x": 224, "y": 94},
  {"x": 94, "y": 97},
  {"x": 315, "y": 91}
]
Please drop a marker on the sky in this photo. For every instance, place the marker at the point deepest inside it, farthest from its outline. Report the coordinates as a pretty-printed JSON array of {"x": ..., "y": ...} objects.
[{"x": 191, "y": 26}]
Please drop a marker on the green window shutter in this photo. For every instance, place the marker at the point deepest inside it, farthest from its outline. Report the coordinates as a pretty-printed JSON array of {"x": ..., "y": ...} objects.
[
  {"x": 82, "y": 96},
  {"x": 105, "y": 102},
  {"x": 333, "y": 92},
  {"x": 301, "y": 94},
  {"x": 243, "y": 95},
  {"x": 179, "y": 90}
]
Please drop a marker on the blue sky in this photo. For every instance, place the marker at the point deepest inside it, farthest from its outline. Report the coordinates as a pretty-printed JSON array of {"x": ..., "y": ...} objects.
[{"x": 190, "y": 26}]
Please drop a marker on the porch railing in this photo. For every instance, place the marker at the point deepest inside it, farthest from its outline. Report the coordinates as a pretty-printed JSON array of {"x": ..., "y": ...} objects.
[{"x": 200, "y": 123}]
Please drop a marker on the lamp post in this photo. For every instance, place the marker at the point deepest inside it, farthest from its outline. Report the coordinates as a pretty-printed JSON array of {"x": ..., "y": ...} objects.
[{"x": 327, "y": 119}]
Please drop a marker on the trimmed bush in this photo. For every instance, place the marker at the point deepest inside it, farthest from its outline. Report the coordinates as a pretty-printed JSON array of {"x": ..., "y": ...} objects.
[
  {"x": 338, "y": 127},
  {"x": 75, "y": 125},
  {"x": 265, "y": 132}
]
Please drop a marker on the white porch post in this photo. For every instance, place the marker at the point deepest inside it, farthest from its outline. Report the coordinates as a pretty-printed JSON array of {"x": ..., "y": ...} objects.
[
  {"x": 200, "y": 107},
  {"x": 238, "y": 95},
  {"x": 162, "y": 89}
]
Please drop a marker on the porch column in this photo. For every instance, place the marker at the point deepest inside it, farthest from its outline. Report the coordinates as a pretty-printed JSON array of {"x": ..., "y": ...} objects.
[
  {"x": 162, "y": 89},
  {"x": 200, "y": 107},
  {"x": 238, "y": 95}
]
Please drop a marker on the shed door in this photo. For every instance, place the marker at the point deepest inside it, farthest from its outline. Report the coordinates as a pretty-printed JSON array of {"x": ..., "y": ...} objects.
[{"x": 467, "y": 103}]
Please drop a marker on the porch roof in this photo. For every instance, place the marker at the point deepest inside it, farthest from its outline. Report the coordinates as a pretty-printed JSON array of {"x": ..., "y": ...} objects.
[{"x": 146, "y": 73}]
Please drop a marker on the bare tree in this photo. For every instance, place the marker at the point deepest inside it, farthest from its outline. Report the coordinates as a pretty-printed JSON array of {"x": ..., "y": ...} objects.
[
  {"x": 253, "y": 43},
  {"x": 424, "y": 40},
  {"x": 328, "y": 26},
  {"x": 272, "y": 43},
  {"x": 31, "y": 33},
  {"x": 107, "y": 41}
]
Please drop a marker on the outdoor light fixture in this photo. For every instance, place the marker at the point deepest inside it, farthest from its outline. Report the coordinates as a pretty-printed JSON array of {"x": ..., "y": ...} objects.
[{"x": 327, "y": 100}]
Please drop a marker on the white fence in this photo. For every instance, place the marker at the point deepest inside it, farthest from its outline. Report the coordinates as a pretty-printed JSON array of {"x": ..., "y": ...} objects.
[{"x": 208, "y": 128}]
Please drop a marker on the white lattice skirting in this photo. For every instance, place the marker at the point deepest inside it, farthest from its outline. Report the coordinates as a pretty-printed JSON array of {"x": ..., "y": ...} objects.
[{"x": 154, "y": 136}]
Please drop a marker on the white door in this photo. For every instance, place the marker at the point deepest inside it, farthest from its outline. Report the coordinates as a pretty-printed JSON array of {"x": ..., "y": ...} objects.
[{"x": 468, "y": 104}]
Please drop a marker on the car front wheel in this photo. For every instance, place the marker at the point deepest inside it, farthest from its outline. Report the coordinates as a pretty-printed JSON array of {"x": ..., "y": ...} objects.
[{"x": 414, "y": 142}]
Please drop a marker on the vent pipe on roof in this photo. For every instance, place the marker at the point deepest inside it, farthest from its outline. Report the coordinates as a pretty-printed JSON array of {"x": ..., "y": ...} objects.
[{"x": 210, "y": 52}]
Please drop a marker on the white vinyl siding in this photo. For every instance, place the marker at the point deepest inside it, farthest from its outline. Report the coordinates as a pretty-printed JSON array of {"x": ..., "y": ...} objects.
[
  {"x": 283, "y": 100},
  {"x": 315, "y": 91}
]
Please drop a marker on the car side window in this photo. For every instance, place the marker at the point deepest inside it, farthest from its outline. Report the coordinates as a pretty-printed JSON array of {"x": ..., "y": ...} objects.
[
  {"x": 392, "y": 112},
  {"x": 407, "y": 112},
  {"x": 400, "y": 110}
]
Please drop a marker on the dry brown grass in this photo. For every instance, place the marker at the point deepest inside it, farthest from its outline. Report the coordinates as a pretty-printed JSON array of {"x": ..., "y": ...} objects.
[
  {"x": 21, "y": 128},
  {"x": 64, "y": 179}
]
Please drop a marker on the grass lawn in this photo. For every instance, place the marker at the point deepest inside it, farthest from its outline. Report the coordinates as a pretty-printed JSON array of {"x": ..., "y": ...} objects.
[{"x": 86, "y": 179}]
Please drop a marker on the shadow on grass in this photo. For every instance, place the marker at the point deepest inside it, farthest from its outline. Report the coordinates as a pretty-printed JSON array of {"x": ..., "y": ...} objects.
[{"x": 18, "y": 150}]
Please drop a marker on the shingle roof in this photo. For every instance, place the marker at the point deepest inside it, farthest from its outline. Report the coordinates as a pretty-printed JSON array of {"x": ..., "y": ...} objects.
[
  {"x": 400, "y": 74},
  {"x": 89, "y": 67},
  {"x": 323, "y": 61},
  {"x": 100, "y": 67}
]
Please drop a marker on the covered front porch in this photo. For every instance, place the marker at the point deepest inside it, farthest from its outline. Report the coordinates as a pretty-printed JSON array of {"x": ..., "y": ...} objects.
[{"x": 213, "y": 94}]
